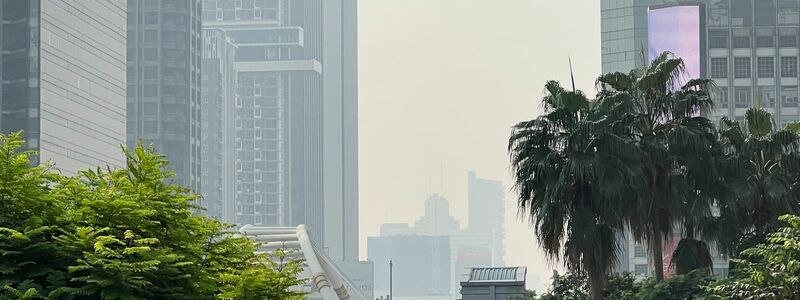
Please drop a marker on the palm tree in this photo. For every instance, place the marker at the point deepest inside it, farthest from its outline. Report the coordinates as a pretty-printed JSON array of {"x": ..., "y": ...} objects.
[
  {"x": 573, "y": 168},
  {"x": 664, "y": 122},
  {"x": 767, "y": 163}
]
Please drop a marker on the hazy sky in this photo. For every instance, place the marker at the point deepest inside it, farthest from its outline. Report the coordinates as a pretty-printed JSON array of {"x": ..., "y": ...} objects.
[{"x": 440, "y": 84}]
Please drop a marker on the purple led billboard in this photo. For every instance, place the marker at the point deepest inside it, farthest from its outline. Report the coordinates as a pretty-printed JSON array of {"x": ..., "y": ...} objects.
[{"x": 676, "y": 29}]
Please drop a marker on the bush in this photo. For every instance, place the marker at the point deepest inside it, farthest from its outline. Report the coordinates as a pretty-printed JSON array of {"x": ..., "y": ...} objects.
[{"x": 119, "y": 234}]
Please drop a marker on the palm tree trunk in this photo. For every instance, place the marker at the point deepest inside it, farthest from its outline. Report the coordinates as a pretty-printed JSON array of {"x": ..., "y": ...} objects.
[
  {"x": 658, "y": 258},
  {"x": 597, "y": 283},
  {"x": 595, "y": 291}
]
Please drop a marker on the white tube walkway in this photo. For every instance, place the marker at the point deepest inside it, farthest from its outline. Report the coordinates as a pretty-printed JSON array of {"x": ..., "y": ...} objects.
[{"x": 325, "y": 276}]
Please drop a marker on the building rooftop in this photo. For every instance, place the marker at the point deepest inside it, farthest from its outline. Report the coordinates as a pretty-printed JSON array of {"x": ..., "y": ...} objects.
[{"x": 496, "y": 274}]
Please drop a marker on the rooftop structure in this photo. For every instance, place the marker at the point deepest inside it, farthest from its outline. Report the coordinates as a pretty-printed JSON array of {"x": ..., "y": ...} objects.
[{"x": 497, "y": 283}]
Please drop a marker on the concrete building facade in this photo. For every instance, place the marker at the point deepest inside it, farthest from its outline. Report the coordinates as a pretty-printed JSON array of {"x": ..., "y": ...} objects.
[
  {"x": 164, "y": 60},
  {"x": 296, "y": 125},
  {"x": 63, "y": 80}
]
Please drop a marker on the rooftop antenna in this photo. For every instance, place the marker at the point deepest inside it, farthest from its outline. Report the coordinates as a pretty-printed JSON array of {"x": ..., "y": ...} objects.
[{"x": 441, "y": 179}]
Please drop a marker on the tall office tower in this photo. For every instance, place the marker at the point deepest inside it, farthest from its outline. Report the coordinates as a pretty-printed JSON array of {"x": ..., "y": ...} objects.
[
  {"x": 487, "y": 213},
  {"x": 748, "y": 47},
  {"x": 164, "y": 82},
  {"x": 218, "y": 124},
  {"x": 63, "y": 80},
  {"x": 296, "y": 126}
]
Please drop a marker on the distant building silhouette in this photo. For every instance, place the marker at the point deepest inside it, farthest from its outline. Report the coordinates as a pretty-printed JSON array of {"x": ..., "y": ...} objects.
[
  {"x": 421, "y": 264},
  {"x": 487, "y": 213},
  {"x": 479, "y": 245}
]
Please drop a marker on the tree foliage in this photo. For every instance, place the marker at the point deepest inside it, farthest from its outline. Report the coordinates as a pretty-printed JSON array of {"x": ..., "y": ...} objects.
[
  {"x": 770, "y": 270},
  {"x": 120, "y": 234}
]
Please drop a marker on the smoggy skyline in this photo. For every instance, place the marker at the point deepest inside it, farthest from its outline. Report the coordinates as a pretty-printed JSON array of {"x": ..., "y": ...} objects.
[{"x": 441, "y": 82}]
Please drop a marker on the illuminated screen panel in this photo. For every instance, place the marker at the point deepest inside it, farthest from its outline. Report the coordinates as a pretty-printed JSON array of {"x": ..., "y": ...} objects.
[{"x": 676, "y": 29}]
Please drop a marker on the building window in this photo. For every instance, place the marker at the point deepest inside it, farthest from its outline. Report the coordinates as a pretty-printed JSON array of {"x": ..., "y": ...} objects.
[
  {"x": 151, "y": 36},
  {"x": 150, "y": 127},
  {"x": 721, "y": 97},
  {"x": 765, "y": 41},
  {"x": 718, "y": 38},
  {"x": 788, "y": 41},
  {"x": 719, "y": 13},
  {"x": 766, "y": 67},
  {"x": 719, "y": 67},
  {"x": 743, "y": 97},
  {"x": 766, "y": 96},
  {"x": 638, "y": 251},
  {"x": 741, "y": 42},
  {"x": 150, "y": 109},
  {"x": 150, "y": 72},
  {"x": 151, "y": 18},
  {"x": 641, "y": 269},
  {"x": 741, "y": 67},
  {"x": 789, "y": 96},
  {"x": 788, "y": 66},
  {"x": 150, "y": 90},
  {"x": 788, "y": 12},
  {"x": 150, "y": 54}
]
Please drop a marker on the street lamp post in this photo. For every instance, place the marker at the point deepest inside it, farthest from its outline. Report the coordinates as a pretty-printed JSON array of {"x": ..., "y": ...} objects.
[{"x": 391, "y": 295}]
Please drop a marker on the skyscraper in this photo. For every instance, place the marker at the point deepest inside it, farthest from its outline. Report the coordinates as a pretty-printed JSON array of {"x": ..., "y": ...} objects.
[
  {"x": 218, "y": 125},
  {"x": 63, "y": 80},
  {"x": 296, "y": 126},
  {"x": 487, "y": 213},
  {"x": 748, "y": 47},
  {"x": 164, "y": 54}
]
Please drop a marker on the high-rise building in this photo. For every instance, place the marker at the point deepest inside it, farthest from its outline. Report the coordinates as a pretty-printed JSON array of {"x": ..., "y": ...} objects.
[
  {"x": 421, "y": 265},
  {"x": 218, "y": 125},
  {"x": 748, "y": 47},
  {"x": 164, "y": 54},
  {"x": 487, "y": 213},
  {"x": 296, "y": 126},
  {"x": 63, "y": 80}
]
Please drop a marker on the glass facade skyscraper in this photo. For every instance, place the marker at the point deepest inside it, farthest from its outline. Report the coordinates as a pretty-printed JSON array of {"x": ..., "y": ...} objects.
[
  {"x": 164, "y": 53},
  {"x": 63, "y": 80}
]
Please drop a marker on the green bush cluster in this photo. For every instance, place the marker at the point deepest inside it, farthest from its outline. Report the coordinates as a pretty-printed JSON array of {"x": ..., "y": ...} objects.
[{"x": 121, "y": 234}]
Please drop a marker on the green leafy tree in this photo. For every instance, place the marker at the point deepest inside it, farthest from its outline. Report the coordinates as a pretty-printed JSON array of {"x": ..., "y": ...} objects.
[
  {"x": 770, "y": 270},
  {"x": 570, "y": 286},
  {"x": 277, "y": 281},
  {"x": 674, "y": 142},
  {"x": 573, "y": 170},
  {"x": 29, "y": 259},
  {"x": 677, "y": 287},
  {"x": 120, "y": 234}
]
